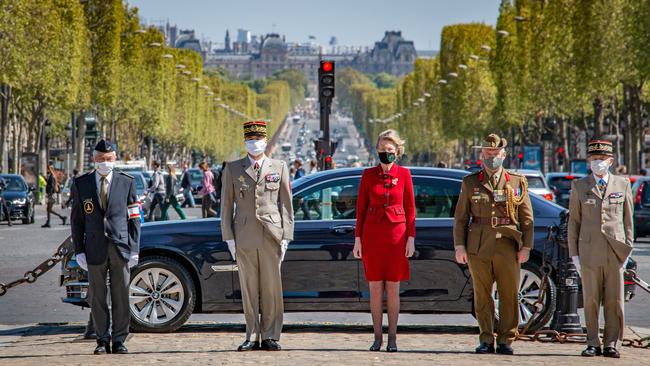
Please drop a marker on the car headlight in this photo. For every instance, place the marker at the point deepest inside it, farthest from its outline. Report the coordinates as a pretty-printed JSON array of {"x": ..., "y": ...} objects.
[{"x": 19, "y": 201}]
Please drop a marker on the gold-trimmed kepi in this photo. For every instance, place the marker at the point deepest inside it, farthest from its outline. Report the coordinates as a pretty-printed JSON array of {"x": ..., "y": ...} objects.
[
  {"x": 254, "y": 128},
  {"x": 492, "y": 141},
  {"x": 600, "y": 147}
]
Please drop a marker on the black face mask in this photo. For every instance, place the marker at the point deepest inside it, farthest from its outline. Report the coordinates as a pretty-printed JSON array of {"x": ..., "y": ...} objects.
[{"x": 386, "y": 157}]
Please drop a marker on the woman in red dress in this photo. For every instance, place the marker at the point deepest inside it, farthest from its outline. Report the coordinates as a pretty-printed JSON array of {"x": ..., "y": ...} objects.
[{"x": 385, "y": 233}]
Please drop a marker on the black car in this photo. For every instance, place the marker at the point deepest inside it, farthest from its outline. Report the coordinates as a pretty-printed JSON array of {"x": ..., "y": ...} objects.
[
  {"x": 560, "y": 184},
  {"x": 641, "y": 194},
  {"x": 189, "y": 263},
  {"x": 19, "y": 197}
]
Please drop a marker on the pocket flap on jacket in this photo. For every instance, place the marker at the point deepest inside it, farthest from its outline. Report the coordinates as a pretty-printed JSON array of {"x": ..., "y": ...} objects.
[
  {"x": 275, "y": 218},
  {"x": 399, "y": 210}
]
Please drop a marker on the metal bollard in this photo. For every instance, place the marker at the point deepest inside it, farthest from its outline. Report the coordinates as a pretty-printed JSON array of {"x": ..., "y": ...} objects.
[{"x": 566, "y": 317}]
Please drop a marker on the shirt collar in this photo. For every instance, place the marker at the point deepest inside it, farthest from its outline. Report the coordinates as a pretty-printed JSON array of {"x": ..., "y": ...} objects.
[
  {"x": 605, "y": 178},
  {"x": 98, "y": 177},
  {"x": 250, "y": 158}
]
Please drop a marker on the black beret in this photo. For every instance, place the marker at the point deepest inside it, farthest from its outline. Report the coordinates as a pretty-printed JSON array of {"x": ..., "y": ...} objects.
[{"x": 104, "y": 146}]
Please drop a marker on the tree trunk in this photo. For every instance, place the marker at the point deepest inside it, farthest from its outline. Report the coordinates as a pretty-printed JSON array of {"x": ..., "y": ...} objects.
[
  {"x": 636, "y": 124},
  {"x": 599, "y": 117},
  {"x": 5, "y": 96},
  {"x": 80, "y": 143}
]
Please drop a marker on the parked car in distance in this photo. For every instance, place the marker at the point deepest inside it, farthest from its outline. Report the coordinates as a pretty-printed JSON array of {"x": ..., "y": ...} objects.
[
  {"x": 536, "y": 183},
  {"x": 560, "y": 184},
  {"x": 641, "y": 195},
  {"x": 19, "y": 197}
]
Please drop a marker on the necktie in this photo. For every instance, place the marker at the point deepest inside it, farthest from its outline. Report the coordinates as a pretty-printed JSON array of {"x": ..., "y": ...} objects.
[
  {"x": 602, "y": 185},
  {"x": 257, "y": 170},
  {"x": 102, "y": 192}
]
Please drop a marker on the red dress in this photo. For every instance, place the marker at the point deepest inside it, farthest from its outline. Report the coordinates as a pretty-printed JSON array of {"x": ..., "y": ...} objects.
[{"x": 385, "y": 218}]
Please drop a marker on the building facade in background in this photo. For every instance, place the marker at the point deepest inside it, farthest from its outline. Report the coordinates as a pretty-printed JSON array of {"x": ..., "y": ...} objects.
[{"x": 252, "y": 60}]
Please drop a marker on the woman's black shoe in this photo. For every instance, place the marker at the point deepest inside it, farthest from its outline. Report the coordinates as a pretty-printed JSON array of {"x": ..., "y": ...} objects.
[
  {"x": 391, "y": 348},
  {"x": 376, "y": 346},
  {"x": 47, "y": 224}
]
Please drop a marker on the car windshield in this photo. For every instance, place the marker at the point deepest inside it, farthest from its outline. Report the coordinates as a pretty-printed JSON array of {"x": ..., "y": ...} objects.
[
  {"x": 195, "y": 175},
  {"x": 14, "y": 184},
  {"x": 139, "y": 181},
  {"x": 561, "y": 183},
  {"x": 535, "y": 181}
]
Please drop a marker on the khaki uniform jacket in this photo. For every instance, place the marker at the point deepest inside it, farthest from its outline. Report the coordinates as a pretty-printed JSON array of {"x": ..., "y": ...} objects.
[
  {"x": 598, "y": 222},
  {"x": 254, "y": 210},
  {"x": 476, "y": 200}
]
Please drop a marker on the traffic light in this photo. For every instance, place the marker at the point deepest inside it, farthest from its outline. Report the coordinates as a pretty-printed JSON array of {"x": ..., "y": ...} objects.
[
  {"x": 560, "y": 156},
  {"x": 319, "y": 148},
  {"x": 328, "y": 162},
  {"x": 326, "y": 81}
]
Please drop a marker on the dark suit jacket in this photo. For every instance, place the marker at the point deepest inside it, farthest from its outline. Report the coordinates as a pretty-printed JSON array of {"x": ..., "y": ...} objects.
[{"x": 93, "y": 228}]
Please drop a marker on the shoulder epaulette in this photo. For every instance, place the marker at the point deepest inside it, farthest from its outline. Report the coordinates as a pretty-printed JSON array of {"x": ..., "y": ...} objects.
[{"x": 126, "y": 175}]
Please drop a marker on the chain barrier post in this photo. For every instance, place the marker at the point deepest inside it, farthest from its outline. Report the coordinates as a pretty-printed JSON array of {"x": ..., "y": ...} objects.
[{"x": 567, "y": 318}]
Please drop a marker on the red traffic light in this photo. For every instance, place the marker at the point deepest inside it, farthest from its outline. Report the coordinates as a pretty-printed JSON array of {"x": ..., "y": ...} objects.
[
  {"x": 520, "y": 156},
  {"x": 560, "y": 150},
  {"x": 328, "y": 159},
  {"x": 327, "y": 66}
]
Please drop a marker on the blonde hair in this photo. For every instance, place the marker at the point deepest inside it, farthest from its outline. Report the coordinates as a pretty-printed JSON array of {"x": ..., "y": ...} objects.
[{"x": 392, "y": 136}]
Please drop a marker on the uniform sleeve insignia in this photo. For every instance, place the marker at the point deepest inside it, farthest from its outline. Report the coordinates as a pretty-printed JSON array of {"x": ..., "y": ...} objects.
[{"x": 133, "y": 211}]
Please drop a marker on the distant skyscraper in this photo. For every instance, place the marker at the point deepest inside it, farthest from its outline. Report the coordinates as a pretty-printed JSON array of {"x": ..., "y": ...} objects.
[
  {"x": 333, "y": 41},
  {"x": 243, "y": 36},
  {"x": 227, "y": 42}
]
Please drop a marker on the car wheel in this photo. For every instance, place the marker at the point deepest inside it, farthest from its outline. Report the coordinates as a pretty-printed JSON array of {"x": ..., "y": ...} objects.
[
  {"x": 161, "y": 295},
  {"x": 530, "y": 281}
]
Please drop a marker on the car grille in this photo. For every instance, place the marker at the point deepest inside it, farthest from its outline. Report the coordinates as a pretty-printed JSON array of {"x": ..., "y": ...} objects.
[{"x": 76, "y": 290}]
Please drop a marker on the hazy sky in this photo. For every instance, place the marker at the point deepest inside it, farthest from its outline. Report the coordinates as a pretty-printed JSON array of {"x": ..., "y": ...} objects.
[{"x": 353, "y": 22}]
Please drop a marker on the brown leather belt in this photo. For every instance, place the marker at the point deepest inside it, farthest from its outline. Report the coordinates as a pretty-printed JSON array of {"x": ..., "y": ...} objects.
[{"x": 494, "y": 221}]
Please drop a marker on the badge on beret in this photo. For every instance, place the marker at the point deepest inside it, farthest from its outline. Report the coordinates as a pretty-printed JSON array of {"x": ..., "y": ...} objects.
[{"x": 88, "y": 206}]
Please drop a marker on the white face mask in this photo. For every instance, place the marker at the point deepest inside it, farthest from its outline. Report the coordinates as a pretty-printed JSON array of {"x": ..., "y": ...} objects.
[
  {"x": 255, "y": 147},
  {"x": 104, "y": 167},
  {"x": 599, "y": 167}
]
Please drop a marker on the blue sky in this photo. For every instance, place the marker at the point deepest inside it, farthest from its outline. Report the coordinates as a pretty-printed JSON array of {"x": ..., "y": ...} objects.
[{"x": 353, "y": 22}]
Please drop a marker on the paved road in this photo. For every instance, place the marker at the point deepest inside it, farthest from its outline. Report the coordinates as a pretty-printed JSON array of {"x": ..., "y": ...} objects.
[
  {"x": 302, "y": 345},
  {"x": 22, "y": 247},
  {"x": 340, "y": 128}
]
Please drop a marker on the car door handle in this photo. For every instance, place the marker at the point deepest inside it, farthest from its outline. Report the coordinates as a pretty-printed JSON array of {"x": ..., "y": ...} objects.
[{"x": 342, "y": 229}]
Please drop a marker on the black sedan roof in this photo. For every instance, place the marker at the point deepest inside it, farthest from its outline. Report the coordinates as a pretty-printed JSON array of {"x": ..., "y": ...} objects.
[{"x": 415, "y": 170}]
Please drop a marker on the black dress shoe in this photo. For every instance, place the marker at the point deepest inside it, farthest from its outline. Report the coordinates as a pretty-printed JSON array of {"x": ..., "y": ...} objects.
[
  {"x": 102, "y": 348},
  {"x": 592, "y": 351},
  {"x": 120, "y": 348},
  {"x": 391, "y": 348},
  {"x": 504, "y": 349},
  {"x": 47, "y": 224},
  {"x": 376, "y": 346},
  {"x": 611, "y": 352},
  {"x": 271, "y": 345},
  {"x": 485, "y": 348},
  {"x": 248, "y": 346}
]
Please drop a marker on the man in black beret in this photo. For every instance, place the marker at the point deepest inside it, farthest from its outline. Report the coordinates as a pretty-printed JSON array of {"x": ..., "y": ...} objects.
[{"x": 106, "y": 236}]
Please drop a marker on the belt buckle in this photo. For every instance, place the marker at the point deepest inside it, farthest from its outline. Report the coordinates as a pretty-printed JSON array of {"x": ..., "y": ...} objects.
[{"x": 494, "y": 221}]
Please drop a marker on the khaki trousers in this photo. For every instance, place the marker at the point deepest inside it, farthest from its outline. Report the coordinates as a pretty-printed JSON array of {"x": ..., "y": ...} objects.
[
  {"x": 502, "y": 266},
  {"x": 603, "y": 284},
  {"x": 261, "y": 288}
]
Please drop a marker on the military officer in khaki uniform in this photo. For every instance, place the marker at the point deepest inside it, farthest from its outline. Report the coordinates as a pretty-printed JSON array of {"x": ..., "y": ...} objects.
[
  {"x": 493, "y": 233},
  {"x": 600, "y": 241},
  {"x": 257, "y": 224}
]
